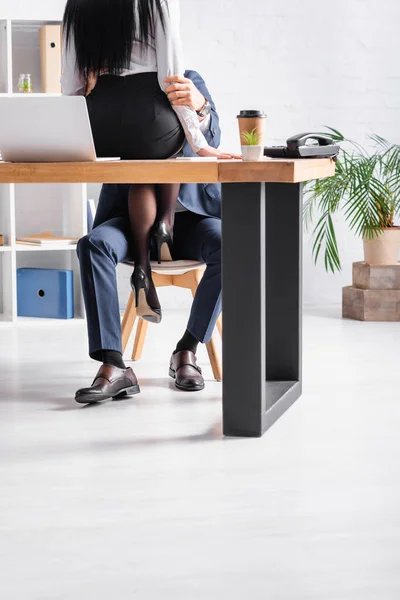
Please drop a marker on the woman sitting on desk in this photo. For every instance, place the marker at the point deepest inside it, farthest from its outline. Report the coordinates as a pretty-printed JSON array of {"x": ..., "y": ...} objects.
[{"x": 119, "y": 55}]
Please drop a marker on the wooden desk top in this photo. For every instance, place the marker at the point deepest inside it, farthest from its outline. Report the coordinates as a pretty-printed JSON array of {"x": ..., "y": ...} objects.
[{"x": 168, "y": 171}]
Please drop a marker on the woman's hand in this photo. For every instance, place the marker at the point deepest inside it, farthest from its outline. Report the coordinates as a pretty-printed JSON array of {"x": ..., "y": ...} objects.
[{"x": 210, "y": 151}]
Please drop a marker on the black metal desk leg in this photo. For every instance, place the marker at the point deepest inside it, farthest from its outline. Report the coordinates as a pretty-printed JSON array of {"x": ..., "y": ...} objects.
[{"x": 262, "y": 305}]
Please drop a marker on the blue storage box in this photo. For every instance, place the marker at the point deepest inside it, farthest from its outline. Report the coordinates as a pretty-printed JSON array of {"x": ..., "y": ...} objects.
[{"x": 45, "y": 293}]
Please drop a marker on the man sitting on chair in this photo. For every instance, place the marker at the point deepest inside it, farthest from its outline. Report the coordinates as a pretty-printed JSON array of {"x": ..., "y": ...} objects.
[{"x": 197, "y": 236}]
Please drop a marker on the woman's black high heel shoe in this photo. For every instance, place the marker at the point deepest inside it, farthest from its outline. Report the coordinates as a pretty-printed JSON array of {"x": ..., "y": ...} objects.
[
  {"x": 140, "y": 285},
  {"x": 164, "y": 241}
]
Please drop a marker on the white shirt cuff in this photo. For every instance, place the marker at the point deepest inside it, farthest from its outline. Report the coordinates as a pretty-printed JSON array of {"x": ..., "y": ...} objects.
[{"x": 205, "y": 124}]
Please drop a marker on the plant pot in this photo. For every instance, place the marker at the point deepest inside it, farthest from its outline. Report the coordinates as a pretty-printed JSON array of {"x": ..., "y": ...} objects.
[
  {"x": 383, "y": 250},
  {"x": 252, "y": 153}
]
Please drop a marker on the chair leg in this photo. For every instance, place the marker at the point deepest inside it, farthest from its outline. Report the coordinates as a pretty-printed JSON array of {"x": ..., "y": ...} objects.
[
  {"x": 214, "y": 359},
  {"x": 139, "y": 339},
  {"x": 128, "y": 321}
]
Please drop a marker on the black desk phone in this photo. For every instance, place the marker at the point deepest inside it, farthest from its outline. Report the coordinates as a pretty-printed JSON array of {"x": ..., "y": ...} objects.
[{"x": 305, "y": 145}]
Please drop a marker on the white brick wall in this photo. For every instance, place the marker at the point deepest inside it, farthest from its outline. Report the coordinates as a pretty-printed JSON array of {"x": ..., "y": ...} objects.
[{"x": 308, "y": 63}]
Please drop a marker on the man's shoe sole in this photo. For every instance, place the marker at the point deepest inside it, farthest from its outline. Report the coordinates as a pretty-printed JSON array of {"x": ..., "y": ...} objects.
[
  {"x": 120, "y": 395},
  {"x": 182, "y": 387}
]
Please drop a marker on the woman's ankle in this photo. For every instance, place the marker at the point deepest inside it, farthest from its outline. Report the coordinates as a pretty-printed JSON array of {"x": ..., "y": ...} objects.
[
  {"x": 143, "y": 264},
  {"x": 168, "y": 219}
]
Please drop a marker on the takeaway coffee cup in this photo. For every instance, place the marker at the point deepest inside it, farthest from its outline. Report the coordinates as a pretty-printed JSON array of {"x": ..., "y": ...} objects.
[{"x": 252, "y": 132}]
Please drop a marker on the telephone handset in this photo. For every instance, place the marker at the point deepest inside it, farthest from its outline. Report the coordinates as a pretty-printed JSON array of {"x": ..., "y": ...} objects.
[{"x": 305, "y": 145}]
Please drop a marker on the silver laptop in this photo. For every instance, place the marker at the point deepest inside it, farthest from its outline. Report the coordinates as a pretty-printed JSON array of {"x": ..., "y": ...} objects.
[{"x": 46, "y": 129}]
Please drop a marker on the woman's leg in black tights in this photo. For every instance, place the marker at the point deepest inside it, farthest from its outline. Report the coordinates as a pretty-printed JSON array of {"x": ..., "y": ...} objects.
[
  {"x": 167, "y": 195},
  {"x": 148, "y": 203},
  {"x": 142, "y": 208}
]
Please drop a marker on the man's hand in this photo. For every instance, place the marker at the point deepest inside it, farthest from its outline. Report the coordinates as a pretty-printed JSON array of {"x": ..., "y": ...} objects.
[{"x": 182, "y": 91}]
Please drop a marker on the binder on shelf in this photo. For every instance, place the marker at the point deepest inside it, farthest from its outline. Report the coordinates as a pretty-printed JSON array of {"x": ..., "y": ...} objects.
[
  {"x": 1, "y": 240},
  {"x": 50, "y": 58},
  {"x": 46, "y": 238}
]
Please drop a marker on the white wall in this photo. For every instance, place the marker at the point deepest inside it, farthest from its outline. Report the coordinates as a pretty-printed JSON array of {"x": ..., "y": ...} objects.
[
  {"x": 308, "y": 63},
  {"x": 48, "y": 10}
]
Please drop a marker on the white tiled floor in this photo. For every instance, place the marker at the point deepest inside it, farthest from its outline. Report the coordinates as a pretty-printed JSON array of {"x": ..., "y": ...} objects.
[{"x": 144, "y": 499}]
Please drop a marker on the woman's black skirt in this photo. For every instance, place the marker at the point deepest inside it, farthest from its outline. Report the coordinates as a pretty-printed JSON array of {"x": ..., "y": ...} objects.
[{"x": 131, "y": 117}]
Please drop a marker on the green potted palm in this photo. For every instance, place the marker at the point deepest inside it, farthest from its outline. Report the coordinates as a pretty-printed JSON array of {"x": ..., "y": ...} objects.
[{"x": 366, "y": 190}]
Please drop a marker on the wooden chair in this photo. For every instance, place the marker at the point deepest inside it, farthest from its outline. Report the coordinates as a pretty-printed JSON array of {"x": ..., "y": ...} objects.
[{"x": 180, "y": 273}]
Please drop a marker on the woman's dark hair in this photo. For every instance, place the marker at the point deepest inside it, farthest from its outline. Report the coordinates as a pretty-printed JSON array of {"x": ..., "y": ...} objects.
[{"x": 104, "y": 31}]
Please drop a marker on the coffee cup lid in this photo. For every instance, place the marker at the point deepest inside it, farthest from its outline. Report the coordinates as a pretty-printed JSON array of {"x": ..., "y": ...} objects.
[{"x": 252, "y": 114}]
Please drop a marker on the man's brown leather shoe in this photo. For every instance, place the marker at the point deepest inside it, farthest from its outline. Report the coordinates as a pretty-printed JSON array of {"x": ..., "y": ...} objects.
[
  {"x": 183, "y": 368},
  {"x": 110, "y": 382}
]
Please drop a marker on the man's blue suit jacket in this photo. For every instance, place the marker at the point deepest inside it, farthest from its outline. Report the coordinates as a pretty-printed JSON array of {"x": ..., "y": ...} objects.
[{"x": 200, "y": 198}]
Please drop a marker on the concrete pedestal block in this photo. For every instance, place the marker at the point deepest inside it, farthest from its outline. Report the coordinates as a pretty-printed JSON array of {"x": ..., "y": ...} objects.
[{"x": 371, "y": 304}]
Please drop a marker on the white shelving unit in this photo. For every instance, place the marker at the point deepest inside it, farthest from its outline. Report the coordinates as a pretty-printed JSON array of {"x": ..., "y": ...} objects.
[{"x": 32, "y": 208}]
